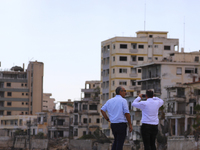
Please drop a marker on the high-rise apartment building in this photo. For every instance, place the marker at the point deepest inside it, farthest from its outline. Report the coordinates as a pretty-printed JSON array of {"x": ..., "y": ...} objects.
[
  {"x": 21, "y": 91},
  {"x": 48, "y": 102},
  {"x": 119, "y": 55}
]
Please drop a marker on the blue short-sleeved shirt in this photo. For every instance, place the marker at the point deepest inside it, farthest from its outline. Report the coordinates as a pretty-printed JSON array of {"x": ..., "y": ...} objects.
[{"x": 116, "y": 108}]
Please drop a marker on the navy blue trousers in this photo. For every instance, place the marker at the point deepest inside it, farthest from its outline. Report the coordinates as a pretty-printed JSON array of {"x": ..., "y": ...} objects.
[
  {"x": 119, "y": 132},
  {"x": 149, "y": 133}
]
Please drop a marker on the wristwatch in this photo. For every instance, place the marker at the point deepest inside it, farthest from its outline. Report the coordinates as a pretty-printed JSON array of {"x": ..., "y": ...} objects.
[{"x": 107, "y": 119}]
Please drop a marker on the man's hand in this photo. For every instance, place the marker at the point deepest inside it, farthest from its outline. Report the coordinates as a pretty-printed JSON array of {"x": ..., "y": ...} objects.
[
  {"x": 140, "y": 95},
  {"x": 130, "y": 128}
]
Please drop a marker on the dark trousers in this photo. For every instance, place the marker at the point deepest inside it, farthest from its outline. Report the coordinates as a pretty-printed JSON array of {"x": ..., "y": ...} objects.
[
  {"x": 119, "y": 132},
  {"x": 149, "y": 133}
]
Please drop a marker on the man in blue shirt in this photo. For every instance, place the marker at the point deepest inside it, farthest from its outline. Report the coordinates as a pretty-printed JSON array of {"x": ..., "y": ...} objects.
[
  {"x": 118, "y": 113},
  {"x": 149, "y": 128}
]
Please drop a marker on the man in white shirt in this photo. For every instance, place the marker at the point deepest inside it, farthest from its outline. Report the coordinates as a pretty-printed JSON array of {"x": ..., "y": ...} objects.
[{"x": 149, "y": 128}]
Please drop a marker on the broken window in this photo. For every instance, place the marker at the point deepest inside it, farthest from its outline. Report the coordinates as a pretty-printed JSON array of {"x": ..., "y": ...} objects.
[
  {"x": 76, "y": 132},
  {"x": 122, "y": 70},
  {"x": 140, "y": 58},
  {"x": 113, "y": 46},
  {"x": 178, "y": 70},
  {"x": 97, "y": 121},
  {"x": 122, "y": 82},
  {"x": 134, "y": 45},
  {"x": 141, "y": 46},
  {"x": 8, "y": 84},
  {"x": 123, "y": 46},
  {"x": 139, "y": 83},
  {"x": 180, "y": 92},
  {"x": 123, "y": 58},
  {"x": 196, "y": 59},
  {"x": 149, "y": 46},
  {"x": 60, "y": 122},
  {"x": 84, "y": 120},
  {"x": 9, "y": 103},
  {"x": 108, "y": 47},
  {"x": 155, "y": 46},
  {"x": 133, "y": 58},
  {"x": 93, "y": 107},
  {"x": 84, "y": 107},
  {"x": 133, "y": 82},
  {"x": 156, "y": 58},
  {"x": 166, "y": 47},
  {"x": 8, "y": 112},
  {"x": 189, "y": 70}
]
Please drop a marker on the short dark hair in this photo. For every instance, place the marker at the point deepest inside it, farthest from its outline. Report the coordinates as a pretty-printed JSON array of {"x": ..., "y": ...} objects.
[
  {"x": 118, "y": 89},
  {"x": 149, "y": 93}
]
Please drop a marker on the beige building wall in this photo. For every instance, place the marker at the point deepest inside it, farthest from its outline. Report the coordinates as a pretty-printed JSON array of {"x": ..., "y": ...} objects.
[{"x": 48, "y": 103}]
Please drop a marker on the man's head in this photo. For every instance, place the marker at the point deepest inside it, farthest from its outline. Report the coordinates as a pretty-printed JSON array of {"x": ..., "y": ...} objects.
[
  {"x": 149, "y": 94},
  {"x": 120, "y": 91}
]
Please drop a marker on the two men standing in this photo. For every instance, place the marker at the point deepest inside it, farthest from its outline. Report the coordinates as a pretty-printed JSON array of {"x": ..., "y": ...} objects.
[{"x": 119, "y": 115}]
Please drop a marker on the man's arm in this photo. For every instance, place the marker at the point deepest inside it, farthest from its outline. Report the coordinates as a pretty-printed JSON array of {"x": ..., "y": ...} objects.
[
  {"x": 161, "y": 102},
  {"x": 136, "y": 103},
  {"x": 128, "y": 117},
  {"x": 105, "y": 115}
]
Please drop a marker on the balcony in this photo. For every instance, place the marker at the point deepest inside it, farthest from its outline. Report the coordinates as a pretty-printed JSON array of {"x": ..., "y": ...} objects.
[
  {"x": 133, "y": 62},
  {"x": 177, "y": 98},
  {"x": 133, "y": 51},
  {"x": 181, "y": 112},
  {"x": 87, "y": 90},
  {"x": 133, "y": 74}
]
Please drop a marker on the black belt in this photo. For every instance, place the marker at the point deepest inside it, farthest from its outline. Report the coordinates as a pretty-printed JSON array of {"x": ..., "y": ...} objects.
[{"x": 145, "y": 124}]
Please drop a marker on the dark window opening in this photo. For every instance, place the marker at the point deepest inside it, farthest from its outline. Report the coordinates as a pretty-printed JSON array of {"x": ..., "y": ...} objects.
[
  {"x": 196, "y": 70},
  {"x": 189, "y": 70},
  {"x": 123, "y": 46},
  {"x": 139, "y": 83},
  {"x": 139, "y": 70},
  {"x": 141, "y": 46},
  {"x": 93, "y": 107},
  {"x": 134, "y": 45},
  {"x": 84, "y": 120},
  {"x": 166, "y": 47},
  {"x": 140, "y": 58},
  {"x": 9, "y": 94},
  {"x": 150, "y": 36},
  {"x": 84, "y": 107},
  {"x": 123, "y": 58},
  {"x": 9, "y": 103},
  {"x": 98, "y": 120},
  {"x": 8, "y": 84},
  {"x": 196, "y": 59},
  {"x": 8, "y": 112}
]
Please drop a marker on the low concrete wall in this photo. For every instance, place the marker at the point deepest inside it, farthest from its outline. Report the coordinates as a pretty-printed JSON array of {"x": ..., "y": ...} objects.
[{"x": 182, "y": 144}]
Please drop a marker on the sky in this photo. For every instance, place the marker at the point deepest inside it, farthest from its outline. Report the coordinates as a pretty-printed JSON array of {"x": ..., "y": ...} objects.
[{"x": 66, "y": 35}]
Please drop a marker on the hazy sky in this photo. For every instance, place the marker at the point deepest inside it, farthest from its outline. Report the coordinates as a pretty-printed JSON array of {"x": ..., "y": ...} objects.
[{"x": 66, "y": 35}]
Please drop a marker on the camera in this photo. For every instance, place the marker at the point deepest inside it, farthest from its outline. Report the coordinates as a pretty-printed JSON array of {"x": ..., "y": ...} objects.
[{"x": 143, "y": 95}]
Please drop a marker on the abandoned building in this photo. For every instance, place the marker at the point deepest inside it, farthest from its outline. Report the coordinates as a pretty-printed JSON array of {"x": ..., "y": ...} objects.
[{"x": 86, "y": 111}]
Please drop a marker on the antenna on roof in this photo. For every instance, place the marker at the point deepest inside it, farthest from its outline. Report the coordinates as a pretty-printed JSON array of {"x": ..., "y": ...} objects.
[
  {"x": 144, "y": 15},
  {"x": 184, "y": 33}
]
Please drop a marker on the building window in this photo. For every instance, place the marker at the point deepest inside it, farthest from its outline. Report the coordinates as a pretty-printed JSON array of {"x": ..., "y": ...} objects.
[
  {"x": 113, "y": 94},
  {"x": 93, "y": 107},
  {"x": 155, "y": 46},
  {"x": 89, "y": 120},
  {"x": 166, "y": 47},
  {"x": 98, "y": 120},
  {"x": 189, "y": 70},
  {"x": 108, "y": 47},
  {"x": 140, "y": 58},
  {"x": 8, "y": 84},
  {"x": 134, "y": 45},
  {"x": 9, "y": 103},
  {"x": 22, "y": 103},
  {"x": 141, "y": 46},
  {"x": 8, "y": 112},
  {"x": 26, "y": 103},
  {"x": 178, "y": 70},
  {"x": 26, "y": 113},
  {"x": 123, "y": 46},
  {"x": 113, "y": 70},
  {"x": 196, "y": 70},
  {"x": 84, "y": 120},
  {"x": 139, "y": 83},
  {"x": 84, "y": 107},
  {"x": 22, "y": 84},
  {"x": 26, "y": 94},
  {"x": 122, "y": 70},
  {"x": 9, "y": 94},
  {"x": 149, "y": 46},
  {"x": 22, "y": 112},
  {"x": 156, "y": 58},
  {"x": 139, "y": 70},
  {"x": 123, "y": 58},
  {"x": 113, "y": 46},
  {"x": 150, "y": 36},
  {"x": 133, "y": 82},
  {"x": 22, "y": 93},
  {"x": 134, "y": 58},
  {"x": 113, "y": 82},
  {"x": 196, "y": 59},
  {"x": 122, "y": 82},
  {"x": 113, "y": 58},
  {"x": 25, "y": 84}
]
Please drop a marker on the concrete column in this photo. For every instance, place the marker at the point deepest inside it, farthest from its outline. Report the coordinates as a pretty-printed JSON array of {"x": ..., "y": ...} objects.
[
  {"x": 41, "y": 121},
  {"x": 176, "y": 126},
  {"x": 175, "y": 109},
  {"x": 186, "y": 122}
]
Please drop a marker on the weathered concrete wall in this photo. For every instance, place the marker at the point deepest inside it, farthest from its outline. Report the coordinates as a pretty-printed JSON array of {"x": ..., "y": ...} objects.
[{"x": 182, "y": 144}]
